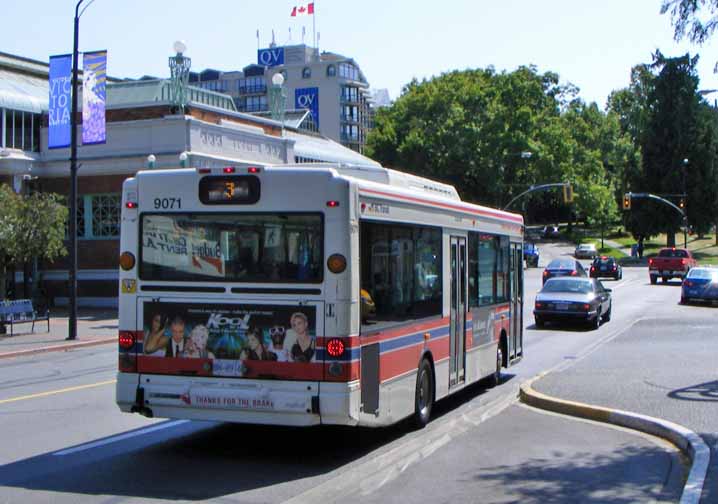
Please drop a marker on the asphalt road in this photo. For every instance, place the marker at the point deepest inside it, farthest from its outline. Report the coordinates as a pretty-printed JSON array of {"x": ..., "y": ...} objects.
[{"x": 64, "y": 440}]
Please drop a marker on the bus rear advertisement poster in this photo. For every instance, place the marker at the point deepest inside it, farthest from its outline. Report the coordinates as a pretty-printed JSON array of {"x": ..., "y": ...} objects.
[{"x": 230, "y": 339}]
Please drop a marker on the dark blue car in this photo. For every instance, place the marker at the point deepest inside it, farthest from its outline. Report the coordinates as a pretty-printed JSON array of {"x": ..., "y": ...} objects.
[
  {"x": 701, "y": 284},
  {"x": 531, "y": 254}
]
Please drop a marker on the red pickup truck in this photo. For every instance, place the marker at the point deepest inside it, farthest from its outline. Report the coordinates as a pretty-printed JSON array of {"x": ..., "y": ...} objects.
[{"x": 670, "y": 263}]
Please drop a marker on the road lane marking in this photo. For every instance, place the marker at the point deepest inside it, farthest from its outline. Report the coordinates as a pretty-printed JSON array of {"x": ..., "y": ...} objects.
[
  {"x": 120, "y": 437},
  {"x": 60, "y": 391}
]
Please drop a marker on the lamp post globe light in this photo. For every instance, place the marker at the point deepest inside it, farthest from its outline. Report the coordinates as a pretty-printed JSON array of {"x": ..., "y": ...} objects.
[
  {"x": 183, "y": 159},
  {"x": 151, "y": 161},
  {"x": 277, "y": 98},
  {"x": 179, "y": 75}
]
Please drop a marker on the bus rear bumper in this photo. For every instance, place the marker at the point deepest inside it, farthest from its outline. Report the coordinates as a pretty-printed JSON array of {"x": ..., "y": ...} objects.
[{"x": 274, "y": 402}]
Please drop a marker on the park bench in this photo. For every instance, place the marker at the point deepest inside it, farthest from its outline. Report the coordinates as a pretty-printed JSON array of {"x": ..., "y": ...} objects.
[{"x": 21, "y": 311}]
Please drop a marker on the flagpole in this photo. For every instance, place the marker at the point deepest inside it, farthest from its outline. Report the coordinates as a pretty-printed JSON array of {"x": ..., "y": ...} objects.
[{"x": 314, "y": 24}]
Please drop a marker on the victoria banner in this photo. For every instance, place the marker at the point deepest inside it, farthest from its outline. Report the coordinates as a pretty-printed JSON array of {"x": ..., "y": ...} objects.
[
  {"x": 94, "y": 80},
  {"x": 308, "y": 98},
  {"x": 59, "y": 107}
]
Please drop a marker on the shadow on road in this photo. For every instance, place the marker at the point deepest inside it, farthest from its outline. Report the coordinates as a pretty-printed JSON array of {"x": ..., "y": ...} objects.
[
  {"x": 703, "y": 392},
  {"x": 203, "y": 460},
  {"x": 589, "y": 479}
]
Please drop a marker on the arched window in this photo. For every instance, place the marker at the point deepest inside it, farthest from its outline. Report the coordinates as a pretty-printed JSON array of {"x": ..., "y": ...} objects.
[
  {"x": 331, "y": 71},
  {"x": 306, "y": 73}
]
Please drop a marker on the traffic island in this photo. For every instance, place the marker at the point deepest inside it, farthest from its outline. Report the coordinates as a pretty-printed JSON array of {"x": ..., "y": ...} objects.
[{"x": 691, "y": 444}]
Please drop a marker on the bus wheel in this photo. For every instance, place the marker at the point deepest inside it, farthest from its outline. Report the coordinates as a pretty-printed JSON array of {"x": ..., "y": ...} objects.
[
  {"x": 496, "y": 376},
  {"x": 424, "y": 398}
]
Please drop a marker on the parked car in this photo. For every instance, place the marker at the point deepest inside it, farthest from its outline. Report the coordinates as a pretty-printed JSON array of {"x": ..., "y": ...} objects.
[
  {"x": 570, "y": 298},
  {"x": 531, "y": 254},
  {"x": 605, "y": 266},
  {"x": 700, "y": 284},
  {"x": 564, "y": 266},
  {"x": 550, "y": 232},
  {"x": 670, "y": 263},
  {"x": 585, "y": 251}
]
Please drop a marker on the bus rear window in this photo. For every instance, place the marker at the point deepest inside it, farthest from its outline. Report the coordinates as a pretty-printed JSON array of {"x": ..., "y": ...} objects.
[{"x": 232, "y": 247}]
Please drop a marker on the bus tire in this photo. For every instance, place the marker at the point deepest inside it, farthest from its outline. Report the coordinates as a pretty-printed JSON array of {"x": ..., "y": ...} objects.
[
  {"x": 496, "y": 376},
  {"x": 424, "y": 396}
]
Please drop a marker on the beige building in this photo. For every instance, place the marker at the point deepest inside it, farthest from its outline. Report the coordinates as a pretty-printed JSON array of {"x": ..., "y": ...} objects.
[
  {"x": 332, "y": 86},
  {"x": 141, "y": 121}
]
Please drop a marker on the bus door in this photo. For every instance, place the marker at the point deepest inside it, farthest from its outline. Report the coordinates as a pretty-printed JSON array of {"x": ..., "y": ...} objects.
[
  {"x": 458, "y": 310},
  {"x": 517, "y": 285}
]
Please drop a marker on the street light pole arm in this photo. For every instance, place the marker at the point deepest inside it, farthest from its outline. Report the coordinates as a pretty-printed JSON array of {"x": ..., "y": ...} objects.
[{"x": 532, "y": 189}]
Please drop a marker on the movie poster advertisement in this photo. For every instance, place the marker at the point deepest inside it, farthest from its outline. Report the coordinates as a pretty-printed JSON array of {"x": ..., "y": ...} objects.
[
  {"x": 188, "y": 249},
  {"x": 231, "y": 336}
]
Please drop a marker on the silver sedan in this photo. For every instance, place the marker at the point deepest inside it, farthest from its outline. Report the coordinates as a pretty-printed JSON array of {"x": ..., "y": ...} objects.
[{"x": 572, "y": 298}]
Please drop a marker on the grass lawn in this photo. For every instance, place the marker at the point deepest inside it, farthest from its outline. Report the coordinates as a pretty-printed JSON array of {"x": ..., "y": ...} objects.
[{"x": 704, "y": 250}]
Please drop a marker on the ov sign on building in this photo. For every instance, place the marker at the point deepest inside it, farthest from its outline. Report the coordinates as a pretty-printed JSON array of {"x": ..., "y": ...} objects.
[
  {"x": 59, "y": 106},
  {"x": 271, "y": 57},
  {"x": 308, "y": 98}
]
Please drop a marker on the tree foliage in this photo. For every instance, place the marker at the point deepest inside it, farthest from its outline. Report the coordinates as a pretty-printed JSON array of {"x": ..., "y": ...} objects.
[
  {"x": 473, "y": 128},
  {"x": 31, "y": 226}
]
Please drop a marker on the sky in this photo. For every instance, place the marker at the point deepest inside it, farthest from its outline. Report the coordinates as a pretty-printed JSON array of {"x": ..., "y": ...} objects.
[{"x": 591, "y": 44}]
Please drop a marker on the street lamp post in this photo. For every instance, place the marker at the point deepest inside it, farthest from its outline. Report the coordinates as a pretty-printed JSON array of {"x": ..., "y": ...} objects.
[
  {"x": 685, "y": 202},
  {"x": 277, "y": 98},
  {"x": 72, "y": 275}
]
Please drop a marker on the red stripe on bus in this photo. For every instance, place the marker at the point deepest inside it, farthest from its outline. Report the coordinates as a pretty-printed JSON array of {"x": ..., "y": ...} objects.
[
  {"x": 367, "y": 339},
  {"x": 488, "y": 213}
]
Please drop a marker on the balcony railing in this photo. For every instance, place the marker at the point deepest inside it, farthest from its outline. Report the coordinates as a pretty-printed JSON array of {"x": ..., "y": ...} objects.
[{"x": 257, "y": 89}]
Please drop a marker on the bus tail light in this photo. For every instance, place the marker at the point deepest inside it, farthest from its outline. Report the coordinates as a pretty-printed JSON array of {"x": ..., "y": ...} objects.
[
  {"x": 335, "y": 347},
  {"x": 131, "y": 205},
  {"x": 204, "y": 171},
  {"x": 337, "y": 263},
  {"x": 332, "y": 203},
  {"x": 127, "y": 340},
  {"x": 228, "y": 169},
  {"x": 127, "y": 261},
  {"x": 253, "y": 169}
]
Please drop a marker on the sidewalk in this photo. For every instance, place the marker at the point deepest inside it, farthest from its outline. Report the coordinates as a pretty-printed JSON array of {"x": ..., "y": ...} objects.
[{"x": 94, "y": 327}]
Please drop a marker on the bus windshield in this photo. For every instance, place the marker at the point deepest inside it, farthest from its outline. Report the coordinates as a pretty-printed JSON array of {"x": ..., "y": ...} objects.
[{"x": 232, "y": 247}]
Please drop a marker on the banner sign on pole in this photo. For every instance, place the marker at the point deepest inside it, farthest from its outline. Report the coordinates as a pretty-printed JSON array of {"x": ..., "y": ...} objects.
[
  {"x": 60, "y": 98},
  {"x": 94, "y": 80},
  {"x": 308, "y": 98}
]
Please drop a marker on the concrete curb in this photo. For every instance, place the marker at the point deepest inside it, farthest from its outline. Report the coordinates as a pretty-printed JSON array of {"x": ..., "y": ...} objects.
[
  {"x": 688, "y": 441},
  {"x": 57, "y": 348}
]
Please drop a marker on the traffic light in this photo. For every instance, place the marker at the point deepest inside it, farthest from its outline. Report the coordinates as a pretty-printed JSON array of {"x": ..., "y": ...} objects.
[
  {"x": 682, "y": 203},
  {"x": 567, "y": 193},
  {"x": 627, "y": 201}
]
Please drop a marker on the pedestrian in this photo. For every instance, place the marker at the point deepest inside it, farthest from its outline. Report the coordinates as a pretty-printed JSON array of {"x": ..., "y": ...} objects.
[{"x": 640, "y": 247}]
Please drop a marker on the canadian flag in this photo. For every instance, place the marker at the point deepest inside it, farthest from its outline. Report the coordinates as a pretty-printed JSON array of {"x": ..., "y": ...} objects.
[{"x": 303, "y": 8}]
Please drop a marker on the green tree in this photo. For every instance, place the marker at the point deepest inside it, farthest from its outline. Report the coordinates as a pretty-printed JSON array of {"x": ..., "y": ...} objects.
[
  {"x": 470, "y": 128},
  {"x": 31, "y": 227},
  {"x": 690, "y": 19},
  {"x": 672, "y": 135}
]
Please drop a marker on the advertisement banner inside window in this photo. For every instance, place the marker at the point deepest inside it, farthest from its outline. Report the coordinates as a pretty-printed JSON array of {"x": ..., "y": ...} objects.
[
  {"x": 94, "y": 80},
  {"x": 59, "y": 107}
]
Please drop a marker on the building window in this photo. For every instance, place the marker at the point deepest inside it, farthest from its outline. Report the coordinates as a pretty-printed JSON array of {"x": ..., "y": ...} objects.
[
  {"x": 98, "y": 216},
  {"x": 306, "y": 73},
  {"x": 105, "y": 215},
  {"x": 20, "y": 130},
  {"x": 331, "y": 71},
  {"x": 348, "y": 71}
]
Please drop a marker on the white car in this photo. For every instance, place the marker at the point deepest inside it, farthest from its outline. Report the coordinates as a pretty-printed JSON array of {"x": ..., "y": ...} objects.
[{"x": 585, "y": 251}]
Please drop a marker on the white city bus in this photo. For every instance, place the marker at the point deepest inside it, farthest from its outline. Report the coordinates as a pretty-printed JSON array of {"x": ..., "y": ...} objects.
[{"x": 313, "y": 294}]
